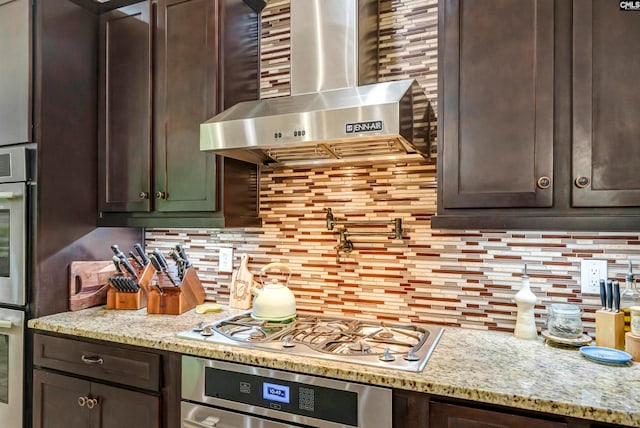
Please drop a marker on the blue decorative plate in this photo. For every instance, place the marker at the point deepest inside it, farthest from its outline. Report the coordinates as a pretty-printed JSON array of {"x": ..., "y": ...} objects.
[{"x": 601, "y": 354}]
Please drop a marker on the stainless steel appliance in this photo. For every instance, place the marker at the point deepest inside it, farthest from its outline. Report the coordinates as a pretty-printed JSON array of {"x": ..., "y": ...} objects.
[
  {"x": 11, "y": 367},
  {"x": 15, "y": 173},
  {"x": 336, "y": 113},
  {"x": 368, "y": 342},
  {"x": 224, "y": 395}
]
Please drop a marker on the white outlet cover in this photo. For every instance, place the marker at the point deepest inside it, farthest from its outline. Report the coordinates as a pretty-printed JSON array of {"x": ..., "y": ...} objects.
[
  {"x": 591, "y": 272},
  {"x": 225, "y": 260}
]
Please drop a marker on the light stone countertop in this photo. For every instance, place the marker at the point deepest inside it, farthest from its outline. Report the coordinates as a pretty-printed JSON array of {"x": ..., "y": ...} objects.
[{"x": 482, "y": 366}]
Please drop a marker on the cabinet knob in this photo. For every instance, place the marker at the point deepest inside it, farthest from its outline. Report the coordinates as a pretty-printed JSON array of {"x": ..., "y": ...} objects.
[
  {"x": 92, "y": 402},
  {"x": 161, "y": 195},
  {"x": 544, "y": 182},
  {"x": 143, "y": 195},
  {"x": 92, "y": 360},
  {"x": 82, "y": 401},
  {"x": 582, "y": 182}
]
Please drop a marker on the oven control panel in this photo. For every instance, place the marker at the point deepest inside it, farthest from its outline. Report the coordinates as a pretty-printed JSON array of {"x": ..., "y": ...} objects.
[{"x": 315, "y": 401}]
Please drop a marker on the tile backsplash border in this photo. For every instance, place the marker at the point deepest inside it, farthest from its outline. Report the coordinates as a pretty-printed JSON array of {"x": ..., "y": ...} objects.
[{"x": 459, "y": 278}]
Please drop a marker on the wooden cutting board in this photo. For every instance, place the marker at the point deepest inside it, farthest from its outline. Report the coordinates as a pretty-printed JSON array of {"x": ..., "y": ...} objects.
[
  {"x": 241, "y": 282},
  {"x": 88, "y": 283}
]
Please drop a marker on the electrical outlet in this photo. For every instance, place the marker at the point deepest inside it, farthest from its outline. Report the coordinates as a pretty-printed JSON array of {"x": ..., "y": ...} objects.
[
  {"x": 592, "y": 271},
  {"x": 225, "y": 260}
]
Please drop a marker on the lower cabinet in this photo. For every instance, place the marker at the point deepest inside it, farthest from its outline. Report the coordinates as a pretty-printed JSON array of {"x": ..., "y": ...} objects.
[
  {"x": 61, "y": 401},
  {"x": 458, "y": 416},
  {"x": 82, "y": 383},
  {"x": 419, "y": 410}
]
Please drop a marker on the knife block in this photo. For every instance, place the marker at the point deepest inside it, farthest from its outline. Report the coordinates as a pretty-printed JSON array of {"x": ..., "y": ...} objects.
[
  {"x": 121, "y": 300},
  {"x": 176, "y": 300},
  {"x": 610, "y": 329}
]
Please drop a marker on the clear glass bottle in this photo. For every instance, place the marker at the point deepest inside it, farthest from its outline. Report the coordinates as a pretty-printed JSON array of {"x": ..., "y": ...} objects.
[
  {"x": 565, "y": 321},
  {"x": 630, "y": 296}
]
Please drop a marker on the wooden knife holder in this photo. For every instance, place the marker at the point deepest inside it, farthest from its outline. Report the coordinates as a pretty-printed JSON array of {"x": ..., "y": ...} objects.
[
  {"x": 175, "y": 300},
  {"x": 138, "y": 300}
]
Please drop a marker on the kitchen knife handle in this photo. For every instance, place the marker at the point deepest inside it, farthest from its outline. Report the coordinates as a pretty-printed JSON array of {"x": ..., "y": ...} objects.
[
  {"x": 609, "y": 295},
  {"x": 616, "y": 296},
  {"x": 116, "y": 262},
  {"x": 603, "y": 294},
  {"x": 183, "y": 254},
  {"x": 116, "y": 250},
  {"x": 127, "y": 266},
  {"x": 155, "y": 263},
  {"x": 135, "y": 259},
  {"x": 143, "y": 256},
  {"x": 160, "y": 258}
]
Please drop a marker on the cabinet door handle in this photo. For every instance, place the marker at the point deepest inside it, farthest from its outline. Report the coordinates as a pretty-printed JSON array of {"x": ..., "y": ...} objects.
[
  {"x": 582, "y": 182},
  {"x": 82, "y": 401},
  {"x": 92, "y": 360},
  {"x": 161, "y": 195},
  {"x": 143, "y": 195},
  {"x": 92, "y": 402},
  {"x": 544, "y": 182}
]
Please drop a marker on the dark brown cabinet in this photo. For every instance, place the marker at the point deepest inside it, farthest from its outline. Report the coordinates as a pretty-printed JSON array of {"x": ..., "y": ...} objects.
[
  {"x": 497, "y": 109},
  {"x": 78, "y": 383},
  {"x": 416, "y": 410},
  {"x": 537, "y": 116},
  {"x": 125, "y": 109},
  {"x": 606, "y": 105},
  {"x": 456, "y": 416},
  {"x": 62, "y": 402},
  {"x": 163, "y": 68}
]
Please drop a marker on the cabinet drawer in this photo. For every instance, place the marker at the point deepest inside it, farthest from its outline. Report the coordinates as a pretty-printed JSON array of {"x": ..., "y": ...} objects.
[{"x": 111, "y": 363}]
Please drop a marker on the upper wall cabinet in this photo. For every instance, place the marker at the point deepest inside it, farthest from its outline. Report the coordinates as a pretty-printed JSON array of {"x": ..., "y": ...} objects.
[
  {"x": 538, "y": 115},
  {"x": 164, "y": 70},
  {"x": 606, "y": 105},
  {"x": 497, "y": 109},
  {"x": 15, "y": 71}
]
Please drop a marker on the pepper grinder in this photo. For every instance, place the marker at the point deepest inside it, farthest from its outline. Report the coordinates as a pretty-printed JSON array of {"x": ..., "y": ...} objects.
[{"x": 525, "y": 320}]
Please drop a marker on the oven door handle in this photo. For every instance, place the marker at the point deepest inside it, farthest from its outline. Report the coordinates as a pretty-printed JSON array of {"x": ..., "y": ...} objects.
[
  {"x": 10, "y": 195},
  {"x": 209, "y": 422},
  {"x": 6, "y": 324}
]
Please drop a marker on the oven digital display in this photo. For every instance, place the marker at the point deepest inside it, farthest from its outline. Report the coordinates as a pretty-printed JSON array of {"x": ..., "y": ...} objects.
[{"x": 273, "y": 392}]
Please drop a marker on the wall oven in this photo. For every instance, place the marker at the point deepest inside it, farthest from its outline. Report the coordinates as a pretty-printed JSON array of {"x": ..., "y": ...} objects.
[
  {"x": 15, "y": 183},
  {"x": 225, "y": 395}
]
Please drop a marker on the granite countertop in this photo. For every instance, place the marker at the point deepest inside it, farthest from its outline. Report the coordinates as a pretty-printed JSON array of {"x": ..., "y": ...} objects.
[{"x": 483, "y": 366}]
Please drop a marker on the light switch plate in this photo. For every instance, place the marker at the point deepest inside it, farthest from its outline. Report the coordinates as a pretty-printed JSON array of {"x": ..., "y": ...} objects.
[
  {"x": 592, "y": 271},
  {"x": 225, "y": 260}
]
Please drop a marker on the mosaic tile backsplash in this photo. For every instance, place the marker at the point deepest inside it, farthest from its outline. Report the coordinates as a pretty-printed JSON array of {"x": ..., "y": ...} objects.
[{"x": 459, "y": 278}]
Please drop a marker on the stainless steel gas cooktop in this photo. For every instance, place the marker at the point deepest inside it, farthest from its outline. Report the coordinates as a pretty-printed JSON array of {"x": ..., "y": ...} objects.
[{"x": 375, "y": 343}]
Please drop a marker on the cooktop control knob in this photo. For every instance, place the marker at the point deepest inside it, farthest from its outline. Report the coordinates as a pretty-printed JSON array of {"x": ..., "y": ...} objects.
[
  {"x": 387, "y": 356},
  {"x": 287, "y": 342},
  {"x": 207, "y": 331},
  {"x": 411, "y": 356}
]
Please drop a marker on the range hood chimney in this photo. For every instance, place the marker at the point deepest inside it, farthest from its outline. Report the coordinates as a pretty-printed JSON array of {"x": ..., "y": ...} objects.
[{"x": 336, "y": 112}]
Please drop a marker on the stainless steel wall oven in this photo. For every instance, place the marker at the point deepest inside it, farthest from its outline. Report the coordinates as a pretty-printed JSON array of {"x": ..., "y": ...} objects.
[{"x": 15, "y": 184}]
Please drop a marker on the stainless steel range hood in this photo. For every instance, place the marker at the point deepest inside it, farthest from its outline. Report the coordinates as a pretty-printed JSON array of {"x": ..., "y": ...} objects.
[{"x": 336, "y": 113}]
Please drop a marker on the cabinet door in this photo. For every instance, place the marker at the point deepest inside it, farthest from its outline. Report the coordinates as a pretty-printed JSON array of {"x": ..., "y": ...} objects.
[
  {"x": 496, "y": 103},
  {"x": 15, "y": 73},
  {"x": 606, "y": 105},
  {"x": 125, "y": 109},
  {"x": 55, "y": 401},
  {"x": 119, "y": 408},
  {"x": 455, "y": 416},
  {"x": 186, "y": 96}
]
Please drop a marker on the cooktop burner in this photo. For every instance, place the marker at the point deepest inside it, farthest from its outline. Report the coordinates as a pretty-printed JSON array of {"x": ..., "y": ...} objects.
[{"x": 376, "y": 343}]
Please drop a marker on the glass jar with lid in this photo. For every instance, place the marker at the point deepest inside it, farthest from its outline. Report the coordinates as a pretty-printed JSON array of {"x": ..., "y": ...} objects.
[{"x": 565, "y": 320}]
